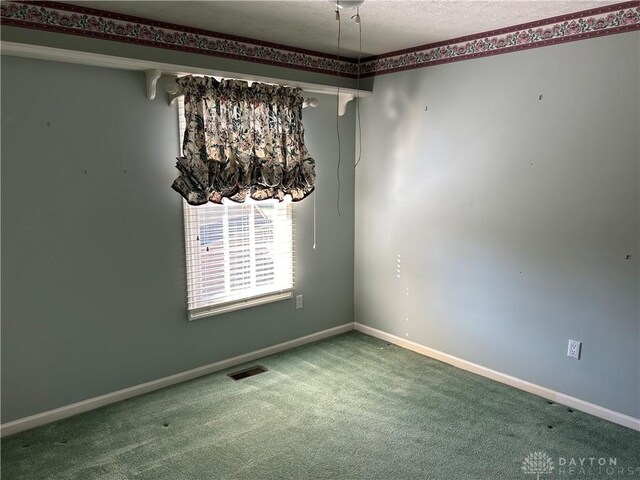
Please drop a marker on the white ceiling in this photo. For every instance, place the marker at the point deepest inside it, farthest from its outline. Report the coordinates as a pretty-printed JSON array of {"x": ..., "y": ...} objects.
[{"x": 386, "y": 25}]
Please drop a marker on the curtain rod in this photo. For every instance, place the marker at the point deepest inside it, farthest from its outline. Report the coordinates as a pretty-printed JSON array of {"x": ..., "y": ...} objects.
[{"x": 174, "y": 90}]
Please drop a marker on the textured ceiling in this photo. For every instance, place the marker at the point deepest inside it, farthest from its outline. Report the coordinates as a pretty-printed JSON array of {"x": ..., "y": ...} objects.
[{"x": 386, "y": 25}]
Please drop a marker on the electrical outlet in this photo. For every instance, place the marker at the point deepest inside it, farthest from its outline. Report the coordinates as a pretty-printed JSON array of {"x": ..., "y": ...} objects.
[
  {"x": 574, "y": 349},
  {"x": 298, "y": 301}
]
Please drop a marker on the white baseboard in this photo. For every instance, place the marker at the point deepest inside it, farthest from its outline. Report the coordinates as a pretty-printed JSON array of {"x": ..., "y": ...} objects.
[
  {"x": 113, "y": 397},
  {"x": 590, "y": 408},
  {"x": 109, "y": 398}
]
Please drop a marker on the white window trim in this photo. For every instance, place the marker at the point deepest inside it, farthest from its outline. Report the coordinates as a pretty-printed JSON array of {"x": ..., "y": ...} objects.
[{"x": 234, "y": 305}]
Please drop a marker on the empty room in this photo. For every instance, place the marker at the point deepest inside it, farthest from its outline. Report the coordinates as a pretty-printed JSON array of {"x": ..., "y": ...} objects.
[{"x": 320, "y": 239}]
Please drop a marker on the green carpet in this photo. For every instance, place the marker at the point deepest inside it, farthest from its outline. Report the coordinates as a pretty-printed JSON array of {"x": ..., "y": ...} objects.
[{"x": 349, "y": 407}]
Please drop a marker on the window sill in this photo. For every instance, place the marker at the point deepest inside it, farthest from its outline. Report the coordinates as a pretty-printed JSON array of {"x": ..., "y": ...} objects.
[{"x": 237, "y": 305}]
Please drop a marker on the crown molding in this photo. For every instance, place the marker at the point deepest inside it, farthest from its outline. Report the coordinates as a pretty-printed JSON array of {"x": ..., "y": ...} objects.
[{"x": 88, "y": 22}]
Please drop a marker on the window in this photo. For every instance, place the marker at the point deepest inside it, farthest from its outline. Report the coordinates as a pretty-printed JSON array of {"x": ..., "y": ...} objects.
[{"x": 237, "y": 255}]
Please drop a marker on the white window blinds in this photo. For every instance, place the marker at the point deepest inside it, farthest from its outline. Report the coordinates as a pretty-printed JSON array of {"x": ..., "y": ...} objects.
[{"x": 237, "y": 253}]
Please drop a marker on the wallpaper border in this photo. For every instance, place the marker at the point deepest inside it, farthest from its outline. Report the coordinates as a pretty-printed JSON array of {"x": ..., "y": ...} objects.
[
  {"x": 88, "y": 22},
  {"x": 609, "y": 20}
]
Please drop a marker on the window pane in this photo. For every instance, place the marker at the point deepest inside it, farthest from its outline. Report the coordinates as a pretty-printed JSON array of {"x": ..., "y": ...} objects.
[{"x": 237, "y": 251}]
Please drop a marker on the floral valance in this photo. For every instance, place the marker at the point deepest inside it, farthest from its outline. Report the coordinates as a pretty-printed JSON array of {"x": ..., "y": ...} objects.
[{"x": 242, "y": 141}]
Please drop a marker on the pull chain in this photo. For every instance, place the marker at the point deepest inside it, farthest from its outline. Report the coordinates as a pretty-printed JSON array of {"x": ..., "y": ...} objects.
[
  {"x": 314, "y": 220},
  {"x": 338, "y": 117},
  {"x": 359, "y": 22}
]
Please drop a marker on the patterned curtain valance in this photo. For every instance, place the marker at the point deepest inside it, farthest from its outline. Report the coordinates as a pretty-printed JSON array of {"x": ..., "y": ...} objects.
[{"x": 241, "y": 141}]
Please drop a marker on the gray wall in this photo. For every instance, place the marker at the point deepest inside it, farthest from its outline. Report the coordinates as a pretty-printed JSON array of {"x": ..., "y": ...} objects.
[
  {"x": 513, "y": 216},
  {"x": 93, "y": 290}
]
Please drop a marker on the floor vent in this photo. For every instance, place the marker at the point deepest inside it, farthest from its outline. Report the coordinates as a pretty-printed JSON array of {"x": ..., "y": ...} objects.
[{"x": 249, "y": 372}]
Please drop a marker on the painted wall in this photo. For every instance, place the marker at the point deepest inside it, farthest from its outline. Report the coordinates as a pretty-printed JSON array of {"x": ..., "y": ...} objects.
[
  {"x": 93, "y": 289},
  {"x": 495, "y": 225}
]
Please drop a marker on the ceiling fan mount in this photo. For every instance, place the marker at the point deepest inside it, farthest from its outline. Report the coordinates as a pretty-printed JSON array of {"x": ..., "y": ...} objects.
[{"x": 346, "y": 4}]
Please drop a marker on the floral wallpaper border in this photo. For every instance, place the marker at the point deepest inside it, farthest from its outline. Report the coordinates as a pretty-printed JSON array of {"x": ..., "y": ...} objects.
[
  {"x": 89, "y": 22},
  {"x": 618, "y": 18},
  {"x": 75, "y": 20}
]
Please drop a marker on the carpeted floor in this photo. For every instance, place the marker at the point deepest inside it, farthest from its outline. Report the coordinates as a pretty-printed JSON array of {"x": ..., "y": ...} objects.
[{"x": 349, "y": 407}]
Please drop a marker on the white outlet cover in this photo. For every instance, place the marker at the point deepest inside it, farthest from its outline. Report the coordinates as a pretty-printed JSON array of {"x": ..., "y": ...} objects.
[
  {"x": 299, "y": 303},
  {"x": 573, "y": 350}
]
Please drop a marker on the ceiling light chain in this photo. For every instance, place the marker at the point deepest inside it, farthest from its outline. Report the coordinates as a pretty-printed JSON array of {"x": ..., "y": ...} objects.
[
  {"x": 337, "y": 3},
  {"x": 346, "y": 5}
]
